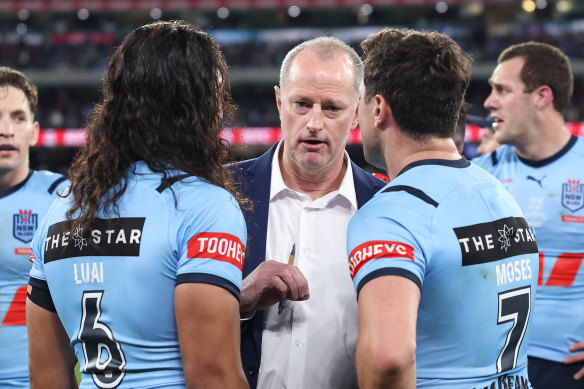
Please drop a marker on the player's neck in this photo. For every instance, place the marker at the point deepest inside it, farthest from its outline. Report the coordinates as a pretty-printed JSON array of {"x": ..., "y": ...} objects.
[
  {"x": 10, "y": 178},
  {"x": 545, "y": 142},
  {"x": 402, "y": 151}
]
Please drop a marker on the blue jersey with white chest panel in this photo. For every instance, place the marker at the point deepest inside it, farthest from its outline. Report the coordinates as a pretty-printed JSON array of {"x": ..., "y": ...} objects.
[
  {"x": 451, "y": 228},
  {"x": 22, "y": 207},
  {"x": 114, "y": 288},
  {"x": 551, "y": 194}
]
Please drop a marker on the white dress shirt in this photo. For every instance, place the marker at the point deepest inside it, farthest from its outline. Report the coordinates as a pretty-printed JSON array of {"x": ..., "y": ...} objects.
[{"x": 312, "y": 343}]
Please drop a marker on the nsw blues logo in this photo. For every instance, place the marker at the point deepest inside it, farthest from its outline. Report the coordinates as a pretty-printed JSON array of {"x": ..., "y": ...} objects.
[
  {"x": 573, "y": 195},
  {"x": 24, "y": 225}
]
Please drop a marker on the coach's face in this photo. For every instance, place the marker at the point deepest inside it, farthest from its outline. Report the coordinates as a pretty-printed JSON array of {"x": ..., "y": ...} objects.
[{"x": 318, "y": 108}]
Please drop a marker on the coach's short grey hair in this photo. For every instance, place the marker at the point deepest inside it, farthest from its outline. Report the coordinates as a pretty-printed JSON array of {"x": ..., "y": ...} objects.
[{"x": 326, "y": 48}]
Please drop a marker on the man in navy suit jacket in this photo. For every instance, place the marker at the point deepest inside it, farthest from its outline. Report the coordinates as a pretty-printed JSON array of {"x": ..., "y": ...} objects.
[{"x": 304, "y": 191}]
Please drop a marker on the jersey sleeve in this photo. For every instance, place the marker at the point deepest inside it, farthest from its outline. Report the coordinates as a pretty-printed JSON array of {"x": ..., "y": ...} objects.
[
  {"x": 379, "y": 245},
  {"x": 38, "y": 288},
  {"x": 61, "y": 187},
  {"x": 485, "y": 161},
  {"x": 38, "y": 248},
  {"x": 212, "y": 242}
]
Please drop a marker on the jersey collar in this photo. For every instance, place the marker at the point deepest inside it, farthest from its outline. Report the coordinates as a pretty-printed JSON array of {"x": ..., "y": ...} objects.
[
  {"x": 16, "y": 187},
  {"x": 555, "y": 157},
  {"x": 457, "y": 163}
]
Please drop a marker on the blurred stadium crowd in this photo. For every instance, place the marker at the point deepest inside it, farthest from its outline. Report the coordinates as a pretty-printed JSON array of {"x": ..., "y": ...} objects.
[{"x": 64, "y": 51}]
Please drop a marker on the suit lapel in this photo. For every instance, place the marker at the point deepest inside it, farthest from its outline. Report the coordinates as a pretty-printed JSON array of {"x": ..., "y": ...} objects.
[{"x": 256, "y": 185}]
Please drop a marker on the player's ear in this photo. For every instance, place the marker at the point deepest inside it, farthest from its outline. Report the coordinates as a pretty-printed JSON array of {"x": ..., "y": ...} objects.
[
  {"x": 544, "y": 96},
  {"x": 35, "y": 134},
  {"x": 382, "y": 113}
]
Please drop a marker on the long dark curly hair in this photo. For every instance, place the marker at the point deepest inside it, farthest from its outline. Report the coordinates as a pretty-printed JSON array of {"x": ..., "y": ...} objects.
[{"x": 165, "y": 99}]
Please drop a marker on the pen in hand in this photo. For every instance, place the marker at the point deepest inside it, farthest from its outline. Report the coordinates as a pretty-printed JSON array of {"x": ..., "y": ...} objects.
[{"x": 282, "y": 303}]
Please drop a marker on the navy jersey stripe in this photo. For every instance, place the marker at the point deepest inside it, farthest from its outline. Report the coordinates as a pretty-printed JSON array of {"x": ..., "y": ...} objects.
[
  {"x": 168, "y": 182},
  {"x": 414, "y": 192},
  {"x": 40, "y": 295},
  {"x": 389, "y": 271},
  {"x": 208, "y": 279},
  {"x": 494, "y": 159},
  {"x": 55, "y": 184},
  {"x": 553, "y": 158}
]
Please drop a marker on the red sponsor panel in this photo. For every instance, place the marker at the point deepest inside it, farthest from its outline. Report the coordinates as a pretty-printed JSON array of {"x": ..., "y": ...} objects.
[
  {"x": 367, "y": 251},
  {"x": 565, "y": 269},
  {"x": 16, "y": 315},
  {"x": 540, "y": 274},
  {"x": 572, "y": 219},
  {"x": 23, "y": 251},
  {"x": 217, "y": 245}
]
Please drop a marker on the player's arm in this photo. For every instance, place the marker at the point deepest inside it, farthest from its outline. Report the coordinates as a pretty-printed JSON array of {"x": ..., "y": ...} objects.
[
  {"x": 577, "y": 358},
  {"x": 51, "y": 359},
  {"x": 386, "y": 347},
  {"x": 207, "y": 318}
]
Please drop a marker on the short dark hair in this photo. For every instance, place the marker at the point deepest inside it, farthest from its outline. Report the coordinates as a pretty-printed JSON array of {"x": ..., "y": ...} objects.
[
  {"x": 165, "y": 99},
  {"x": 544, "y": 65},
  {"x": 16, "y": 79},
  {"x": 423, "y": 76},
  {"x": 460, "y": 130}
]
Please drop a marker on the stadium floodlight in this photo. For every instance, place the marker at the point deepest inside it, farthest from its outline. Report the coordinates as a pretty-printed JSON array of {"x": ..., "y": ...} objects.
[
  {"x": 83, "y": 14},
  {"x": 564, "y": 5},
  {"x": 366, "y": 9},
  {"x": 222, "y": 12},
  {"x": 441, "y": 7},
  {"x": 23, "y": 14},
  {"x": 155, "y": 13},
  {"x": 294, "y": 11},
  {"x": 528, "y": 5}
]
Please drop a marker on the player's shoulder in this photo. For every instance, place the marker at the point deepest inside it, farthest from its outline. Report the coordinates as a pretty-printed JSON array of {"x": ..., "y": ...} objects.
[
  {"x": 578, "y": 148},
  {"x": 177, "y": 190},
  {"x": 503, "y": 154},
  {"x": 399, "y": 200},
  {"x": 48, "y": 182},
  {"x": 192, "y": 193},
  {"x": 194, "y": 186}
]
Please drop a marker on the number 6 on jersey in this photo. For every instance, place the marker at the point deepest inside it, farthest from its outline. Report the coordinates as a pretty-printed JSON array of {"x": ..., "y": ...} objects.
[{"x": 104, "y": 358}]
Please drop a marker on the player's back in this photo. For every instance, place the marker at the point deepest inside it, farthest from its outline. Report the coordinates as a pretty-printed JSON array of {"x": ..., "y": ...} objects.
[
  {"x": 114, "y": 288},
  {"x": 22, "y": 207},
  {"x": 475, "y": 259}
]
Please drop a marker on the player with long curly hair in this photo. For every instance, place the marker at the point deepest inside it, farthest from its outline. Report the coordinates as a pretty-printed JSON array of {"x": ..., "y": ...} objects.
[{"x": 138, "y": 268}]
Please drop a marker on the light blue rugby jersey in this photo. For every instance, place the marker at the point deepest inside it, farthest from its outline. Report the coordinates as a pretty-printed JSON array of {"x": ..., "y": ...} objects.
[
  {"x": 551, "y": 194},
  {"x": 21, "y": 207},
  {"x": 451, "y": 228},
  {"x": 117, "y": 287}
]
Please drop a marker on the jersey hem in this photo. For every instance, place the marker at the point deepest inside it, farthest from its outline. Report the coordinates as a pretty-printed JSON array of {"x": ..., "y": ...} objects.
[
  {"x": 38, "y": 292},
  {"x": 209, "y": 279},
  {"x": 387, "y": 271}
]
